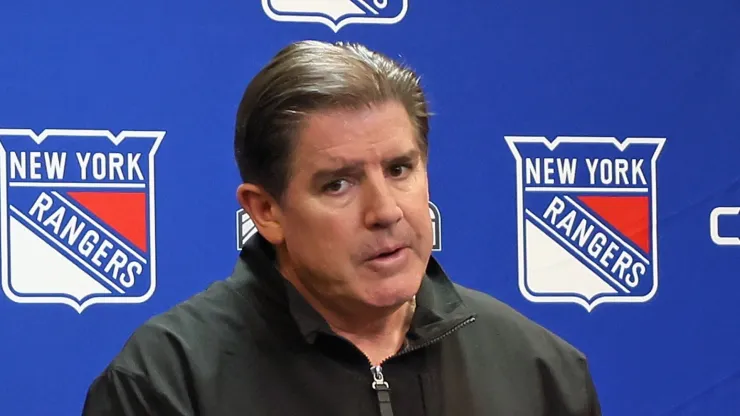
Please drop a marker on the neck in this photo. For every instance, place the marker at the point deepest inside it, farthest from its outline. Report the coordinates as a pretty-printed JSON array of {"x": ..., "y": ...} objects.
[
  {"x": 377, "y": 338},
  {"x": 378, "y": 332}
]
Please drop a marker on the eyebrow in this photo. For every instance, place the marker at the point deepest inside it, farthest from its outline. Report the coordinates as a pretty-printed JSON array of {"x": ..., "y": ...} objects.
[{"x": 351, "y": 168}]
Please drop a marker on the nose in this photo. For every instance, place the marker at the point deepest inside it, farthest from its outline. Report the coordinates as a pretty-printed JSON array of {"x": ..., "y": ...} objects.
[{"x": 382, "y": 209}]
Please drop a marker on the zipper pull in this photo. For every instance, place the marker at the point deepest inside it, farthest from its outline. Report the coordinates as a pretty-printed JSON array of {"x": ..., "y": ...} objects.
[{"x": 384, "y": 392}]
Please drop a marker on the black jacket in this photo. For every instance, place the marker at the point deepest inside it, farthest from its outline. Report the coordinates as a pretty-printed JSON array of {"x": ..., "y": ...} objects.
[{"x": 250, "y": 345}]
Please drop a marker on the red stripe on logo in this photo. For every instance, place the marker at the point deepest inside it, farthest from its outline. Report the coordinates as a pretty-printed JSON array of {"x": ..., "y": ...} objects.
[
  {"x": 125, "y": 212},
  {"x": 630, "y": 215}
]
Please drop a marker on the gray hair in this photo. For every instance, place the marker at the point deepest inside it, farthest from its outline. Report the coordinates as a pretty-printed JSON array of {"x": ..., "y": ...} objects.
[{"x": 310, "y": 76}]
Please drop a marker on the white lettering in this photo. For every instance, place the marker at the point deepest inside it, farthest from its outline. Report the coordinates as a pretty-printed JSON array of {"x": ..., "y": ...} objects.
[
  {"x": 35, "y": 165},
  {"x": 98, "y": 166},
  {"x": 597, "y": 244},
  {"x": 17, "y": 165},
  {"x": 83, "y": 159},
  {"x": 55, "y": 220},
  {"x": 71, "y": 230},
  {"x": 620, "y": 170},
  {"x": 607, "y": 171},
  {"x": 533, "y": 170},
  {"x": 549, "y": 170},
  {"x": 582, "y": 233},
  {"x": 591, "y": 165},
  {"x": 714, "y": 216},
  {"x": 116, "y": 263},
  {"x": 567, "y": 222},
  {"x": 40, "y": 206},
  {"x": 87, "y": 245},
  {"x": 110, "y": 166},
  {"x": 566, "y": 171},
  {"x": 637, "y": 172},
  {"x": 134, "y": 168},
  {"x": 116, "y": 166},
  {"x": 622, "y": 264},
  {"x": 556, "y": 207},
  {"x": 608, "y": 254},
  {"x": 29, "y": 165},
  {"x": 616, "y": 172},
  {"x": 101, "y": 252},
  {"x": 133, "y": 269},
  {"x": 638, "y": 270}
]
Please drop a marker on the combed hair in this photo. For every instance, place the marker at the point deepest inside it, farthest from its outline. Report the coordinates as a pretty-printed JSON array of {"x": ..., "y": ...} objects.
[{"x": 310, "y": 76}]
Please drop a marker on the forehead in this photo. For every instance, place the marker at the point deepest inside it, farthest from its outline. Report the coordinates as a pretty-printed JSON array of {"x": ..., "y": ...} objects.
[{"x": 368, "y": 134}]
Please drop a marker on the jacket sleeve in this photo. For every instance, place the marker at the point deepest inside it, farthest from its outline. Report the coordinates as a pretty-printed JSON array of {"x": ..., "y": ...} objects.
[{"x": 118, "y": 393}]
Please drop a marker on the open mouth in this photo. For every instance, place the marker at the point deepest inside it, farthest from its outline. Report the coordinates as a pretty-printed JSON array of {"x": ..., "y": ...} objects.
[
  {"x": 389, "y": 262},
  {"x": 388, "y": 254}
]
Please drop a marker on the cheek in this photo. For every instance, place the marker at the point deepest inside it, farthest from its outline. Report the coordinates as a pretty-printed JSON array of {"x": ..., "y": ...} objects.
[
  {"x": 321, "y": 232},
  {"x": 416, "y": 211},
  {"x": 337, "y": 233},
  {"x": 423, "y": 222}
]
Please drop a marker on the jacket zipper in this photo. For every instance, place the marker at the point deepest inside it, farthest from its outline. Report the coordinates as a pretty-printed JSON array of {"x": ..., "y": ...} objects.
[
  {"x": 381, "y": 387},
  {"x": 383, "y": 391}
]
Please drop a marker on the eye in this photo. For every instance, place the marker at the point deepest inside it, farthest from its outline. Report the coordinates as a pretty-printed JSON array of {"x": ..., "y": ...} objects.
[
  {"x": 335, "y": 187},
  {"x": 399, "y": 170}
]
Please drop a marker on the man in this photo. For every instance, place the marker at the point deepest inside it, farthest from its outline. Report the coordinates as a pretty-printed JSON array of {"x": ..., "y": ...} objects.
[{"x": 336, "y": 306}]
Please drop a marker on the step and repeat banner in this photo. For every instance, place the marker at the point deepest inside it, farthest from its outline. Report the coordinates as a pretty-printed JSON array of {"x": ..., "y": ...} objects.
[{"x": 584, "y": 168}]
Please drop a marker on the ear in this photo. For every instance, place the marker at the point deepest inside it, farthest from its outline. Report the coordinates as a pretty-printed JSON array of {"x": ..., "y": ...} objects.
[{"x": 263, "y": 210}]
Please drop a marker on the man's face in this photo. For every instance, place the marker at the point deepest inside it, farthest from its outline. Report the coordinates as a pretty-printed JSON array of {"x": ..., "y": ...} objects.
[{"x": 355, "y": 215}]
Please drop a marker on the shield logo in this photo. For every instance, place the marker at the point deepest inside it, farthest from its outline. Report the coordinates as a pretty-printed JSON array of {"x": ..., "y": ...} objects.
[
  {"x": 245, "y": 228},
  {"x": 587, "y": 219},
  {"x": 77, "y": 218},
  {"x": 436, "y": 227},
  {"x": 337, "y": 13}
]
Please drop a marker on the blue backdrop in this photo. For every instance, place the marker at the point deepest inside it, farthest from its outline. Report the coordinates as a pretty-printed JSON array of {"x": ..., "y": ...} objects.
[{"x": 118, "y": 186}]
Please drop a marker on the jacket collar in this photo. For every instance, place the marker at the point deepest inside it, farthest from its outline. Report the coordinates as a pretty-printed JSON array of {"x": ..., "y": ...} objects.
[{"x": 439, "y": 307}]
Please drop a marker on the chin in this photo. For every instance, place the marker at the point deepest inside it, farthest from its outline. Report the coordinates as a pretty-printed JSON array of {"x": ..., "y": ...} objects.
[{"x": 392, "y": 292}]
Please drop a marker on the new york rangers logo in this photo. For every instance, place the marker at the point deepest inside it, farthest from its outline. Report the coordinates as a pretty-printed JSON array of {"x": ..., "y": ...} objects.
[
  {"x": 336, "y": 13},
  {"x": 586, "y": 218},
  {"x": 77, "y": 216}
]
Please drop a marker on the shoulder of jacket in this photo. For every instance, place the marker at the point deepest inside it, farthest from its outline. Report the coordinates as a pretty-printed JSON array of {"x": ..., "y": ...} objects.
[
  {"x": 170, "y": 337},
  {"x": 507, "y": 324}
]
